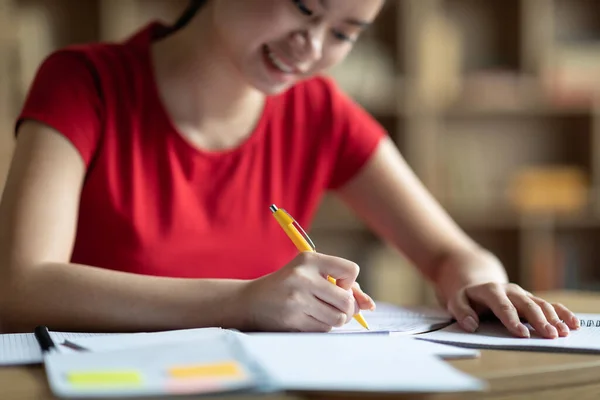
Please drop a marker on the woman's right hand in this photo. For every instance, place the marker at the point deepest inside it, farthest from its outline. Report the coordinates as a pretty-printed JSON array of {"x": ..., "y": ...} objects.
[{"x": 298, "y": 297}]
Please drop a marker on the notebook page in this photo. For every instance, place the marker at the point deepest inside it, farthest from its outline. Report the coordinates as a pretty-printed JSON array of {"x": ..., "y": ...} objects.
[
  {"x": 131, "y": 340},
  {"x": 377, "y": 363},
  {"x": 494, "y": 335},
  {"x": 435, "y": 349},
  {"x": 59, "y": 337},
  {"x": 388, "y": 318},
  {"x": 23, "y": 348},
  {"x": 19, "y": 349}
]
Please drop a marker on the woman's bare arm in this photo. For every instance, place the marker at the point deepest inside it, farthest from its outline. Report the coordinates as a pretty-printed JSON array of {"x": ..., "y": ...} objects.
[
  {"x": 38, "y": 215},
  {"x": 468, "y": 279},
  {"x": 394, "y": 202}
]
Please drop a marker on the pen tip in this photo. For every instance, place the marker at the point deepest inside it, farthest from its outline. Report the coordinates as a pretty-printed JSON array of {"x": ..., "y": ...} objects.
[{"x": 273, "y": 208}]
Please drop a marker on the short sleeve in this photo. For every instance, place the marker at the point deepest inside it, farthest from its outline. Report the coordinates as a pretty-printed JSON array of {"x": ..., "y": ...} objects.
[
  {"x": 356, "y": 137},
  {"x": 65, "y": 95}
]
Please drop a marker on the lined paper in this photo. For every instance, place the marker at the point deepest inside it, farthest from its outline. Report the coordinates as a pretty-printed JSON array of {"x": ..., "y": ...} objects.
[
  {"x": 19, "y": 348},
  {"x": 23, "y": 348},
  {"x": 494, "y": 335},
  {"x": 388, "y": 318}
]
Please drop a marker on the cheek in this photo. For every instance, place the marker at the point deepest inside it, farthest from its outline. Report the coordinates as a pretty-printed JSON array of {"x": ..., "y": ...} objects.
[{"x": 332, "y": 56}]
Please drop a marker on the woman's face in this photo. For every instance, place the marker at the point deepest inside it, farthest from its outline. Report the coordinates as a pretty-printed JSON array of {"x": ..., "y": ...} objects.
[{"x": 275, "y": 43}]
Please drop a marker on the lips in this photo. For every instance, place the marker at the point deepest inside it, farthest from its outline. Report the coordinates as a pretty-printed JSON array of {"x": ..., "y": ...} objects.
[{"x": 280, "y": 63}]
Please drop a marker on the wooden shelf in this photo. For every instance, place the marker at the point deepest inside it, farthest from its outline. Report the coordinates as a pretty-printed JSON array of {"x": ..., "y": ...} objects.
[
  {"x": 504, "y": 218},
  {"x": 488, "y": 44},
  {"x": 576, "y": 20}
]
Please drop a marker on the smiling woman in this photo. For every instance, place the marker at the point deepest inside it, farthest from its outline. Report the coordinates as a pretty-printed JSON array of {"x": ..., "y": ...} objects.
[{"x": 157, "y": 160}]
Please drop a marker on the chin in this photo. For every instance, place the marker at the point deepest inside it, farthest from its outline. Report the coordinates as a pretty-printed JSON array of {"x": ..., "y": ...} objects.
[{"x": 270, "y": 89}]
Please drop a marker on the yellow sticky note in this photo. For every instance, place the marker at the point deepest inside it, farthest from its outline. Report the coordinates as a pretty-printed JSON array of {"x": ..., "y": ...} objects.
[
  {"x": 110, "y": 378},
  {"x": 228, "y": 369}
]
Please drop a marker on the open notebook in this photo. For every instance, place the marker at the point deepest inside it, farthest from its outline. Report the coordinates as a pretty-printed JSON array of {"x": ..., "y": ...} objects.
[
  {"x": 494, "y": 335},
  {"x": 222, "y": 360}
]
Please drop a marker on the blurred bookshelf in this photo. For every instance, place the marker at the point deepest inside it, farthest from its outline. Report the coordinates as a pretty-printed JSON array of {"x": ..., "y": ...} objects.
[
  {"x": 497, "y": 112},
  {"x": 492, "y": 103}
]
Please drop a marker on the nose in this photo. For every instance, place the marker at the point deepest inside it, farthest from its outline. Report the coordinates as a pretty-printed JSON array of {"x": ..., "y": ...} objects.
[{"x": 308, "y": 44}]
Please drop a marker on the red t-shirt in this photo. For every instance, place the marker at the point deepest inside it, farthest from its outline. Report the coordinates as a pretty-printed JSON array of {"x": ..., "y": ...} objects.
[{"x": 154, "y": 204}]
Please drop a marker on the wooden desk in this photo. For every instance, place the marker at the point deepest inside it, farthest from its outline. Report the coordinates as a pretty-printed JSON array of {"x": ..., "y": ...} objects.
[{"x": 510, "y": 374}]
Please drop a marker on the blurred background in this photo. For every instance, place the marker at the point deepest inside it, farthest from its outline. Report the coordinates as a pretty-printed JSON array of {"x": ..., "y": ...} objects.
[{"x": 493, "y": 104}]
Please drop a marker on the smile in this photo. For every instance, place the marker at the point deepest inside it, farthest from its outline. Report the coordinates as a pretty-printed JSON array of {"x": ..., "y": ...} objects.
[{"x": 279, "y": 63}]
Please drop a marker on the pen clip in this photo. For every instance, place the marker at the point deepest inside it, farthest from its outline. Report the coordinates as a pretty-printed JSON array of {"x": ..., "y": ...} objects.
[
  {"x": 296, "y": 225},
  {"x": 304, "y": 234}
]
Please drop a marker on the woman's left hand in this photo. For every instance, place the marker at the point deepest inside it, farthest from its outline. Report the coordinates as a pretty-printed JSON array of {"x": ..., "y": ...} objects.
[{"x": 510, "y": 303}]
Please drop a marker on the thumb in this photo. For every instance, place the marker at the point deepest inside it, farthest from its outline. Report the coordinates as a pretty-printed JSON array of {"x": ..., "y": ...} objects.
[{"x": 459, "y": 307}]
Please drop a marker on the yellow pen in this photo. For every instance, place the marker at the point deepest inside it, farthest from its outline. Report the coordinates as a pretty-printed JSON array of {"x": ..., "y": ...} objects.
[{"x": 303, "y": 243}]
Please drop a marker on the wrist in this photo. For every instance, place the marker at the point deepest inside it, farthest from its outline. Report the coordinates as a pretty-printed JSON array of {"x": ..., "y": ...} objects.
[
  {"x": 223, "y": 307},
  {"x": 240, "y": 310},
  {"x": 461, "y": 270}
]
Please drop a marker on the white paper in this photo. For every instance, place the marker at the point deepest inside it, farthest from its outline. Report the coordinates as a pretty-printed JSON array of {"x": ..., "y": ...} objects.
[
  {"x": 378, "y": 363},
  {"x": 432, "y": 348},
  {"x": 124, "y": 341},
  {"x": 495, "y": 335},
  {"x": 391, "y": 319},
  {"x": 131, "y": 340},
  {"x": 19, "y": 348},
  {"x": 23, "y": 348}
]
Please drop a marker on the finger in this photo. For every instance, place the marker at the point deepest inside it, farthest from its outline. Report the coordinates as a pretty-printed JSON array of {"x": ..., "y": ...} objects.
[
  {"x": 365, "y": 302},
  {"x": 356, "y": 308},
  {"x": 343, "y": 271},
  {"x": 335, "y": 296},
  {"x": 325, "y": 313},
  {"x": 533, "y": 313},
  {"x": 311, "y": 324},
  {"x": 567, "y": 316},
  {"x": 460, "y": 309},
  {"x": 552, "y": 316},
  {"x": 498, "y": 302}
]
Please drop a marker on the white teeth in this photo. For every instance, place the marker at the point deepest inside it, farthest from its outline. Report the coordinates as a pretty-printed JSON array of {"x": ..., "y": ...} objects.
[{"x": 279, "y": 63}]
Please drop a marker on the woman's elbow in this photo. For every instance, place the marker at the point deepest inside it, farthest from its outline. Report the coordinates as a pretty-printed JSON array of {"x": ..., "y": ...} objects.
[{"x": 12, "y": 308}]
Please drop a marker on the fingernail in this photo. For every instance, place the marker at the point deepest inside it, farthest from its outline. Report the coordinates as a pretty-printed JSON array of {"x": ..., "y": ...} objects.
[
  {"x": 523, "y": 331},
  {"x": 469, "y": 324},
  {"x": 551, "y": 330},
  {"x": 372, "y": 302},
  {"x": 563, "y": 328},
  {"x": 575, "y": 321}
]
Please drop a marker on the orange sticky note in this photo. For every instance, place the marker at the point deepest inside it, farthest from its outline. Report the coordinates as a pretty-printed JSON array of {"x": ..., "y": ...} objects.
[{"x": 228, "y": 369}]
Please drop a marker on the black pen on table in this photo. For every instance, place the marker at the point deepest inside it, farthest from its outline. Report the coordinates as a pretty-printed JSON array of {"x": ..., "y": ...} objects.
[
  {"x": 42, "y": 335},
  {"x": 44, "y": 340}
]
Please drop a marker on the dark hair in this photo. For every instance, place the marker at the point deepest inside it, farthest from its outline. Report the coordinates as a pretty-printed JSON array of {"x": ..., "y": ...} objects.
[{"x": 189, "y": 13}]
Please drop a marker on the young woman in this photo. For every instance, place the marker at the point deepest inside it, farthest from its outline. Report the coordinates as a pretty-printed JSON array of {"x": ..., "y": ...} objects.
[{"x": 139, "y": 192}]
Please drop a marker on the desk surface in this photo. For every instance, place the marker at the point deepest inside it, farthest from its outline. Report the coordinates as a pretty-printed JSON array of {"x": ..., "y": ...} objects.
[{"x": 510, "y": 374}]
